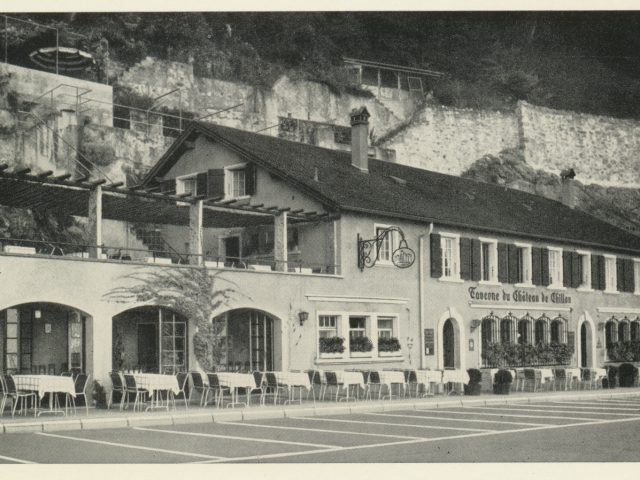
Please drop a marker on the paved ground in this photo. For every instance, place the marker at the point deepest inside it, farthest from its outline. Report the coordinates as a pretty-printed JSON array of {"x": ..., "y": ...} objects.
[{"x": 545, "y": 430}]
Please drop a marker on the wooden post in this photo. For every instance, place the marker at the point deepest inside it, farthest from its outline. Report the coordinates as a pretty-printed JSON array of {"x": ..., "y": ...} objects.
[
  {"x": 94, "y": 223},
  {"x": 280, "y": 241},
  {"x": 196, "y": 233}
]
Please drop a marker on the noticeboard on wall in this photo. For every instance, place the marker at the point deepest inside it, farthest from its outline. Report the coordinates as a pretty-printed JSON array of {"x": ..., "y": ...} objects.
[{"x": 429, "y": 341}]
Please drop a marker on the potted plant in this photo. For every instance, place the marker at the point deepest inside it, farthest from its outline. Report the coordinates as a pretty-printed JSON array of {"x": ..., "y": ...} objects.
[
  {"x": 388, "y": 346},
  {"x": 475, "y": 382},
  {"x": 611, "y": 379},
  {"x": 502, "y": 382},
  {"x": 331, "y": 347},
  {"x": 99, "y": 395},
  {"x": 360, "y": 346}
]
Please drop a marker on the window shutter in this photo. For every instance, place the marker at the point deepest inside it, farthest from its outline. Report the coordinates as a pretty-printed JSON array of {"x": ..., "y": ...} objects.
[
  {"x": 201, "y": 184},
  {"x": 514, "y": 267},
  {"x": 215, "y": 183},
  {"x": 544, "y": 269},
  {"x": 620, "y": 286},
  {"x": 629, "y": 275},
  {"x": 168, "y": 186},
  {"x": 503, "y": 263},
  {"x": 576, "y": 270},
  {"x": 536, "y": 265},
  {"x": 465, "y": 258},
  {"x": 602, "y": 277},
  {"x": 595, "y": 272},
  {"x": 567, "y": 268},
  {"x": 436, "y": 256},
  {"x": 476, "y": 269},
  {"x": 250, "y": 179}
]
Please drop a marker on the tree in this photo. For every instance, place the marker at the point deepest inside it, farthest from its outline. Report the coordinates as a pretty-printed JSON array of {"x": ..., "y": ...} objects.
[{"x": 190, "y": 291}]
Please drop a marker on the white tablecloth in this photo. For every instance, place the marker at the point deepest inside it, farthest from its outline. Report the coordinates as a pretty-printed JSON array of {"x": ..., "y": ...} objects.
[
  {"x": 546, "y": 374},
  {"x": 455, "y": 376},
  {"x": 389, "y": 376},
  {"x": 426, "y": 377},
  {"x": 600, "y": 372},
  {"x": 45, "y": 384},
  {"x": 236, "y": 380},
  {"x": 156, "y": 381},
  {"x": 350, "y": 378},
  {"x": 572, "y": 373},
  {"x": 293, "y": 379}
]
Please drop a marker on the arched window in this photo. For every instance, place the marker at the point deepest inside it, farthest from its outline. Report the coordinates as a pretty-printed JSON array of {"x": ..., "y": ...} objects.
[
  {"x": 624, "y": 330},
  {"x": 489, "y": 328},
  {"x": 525, "y": 327},
  {"x": 542, "y": 330},
  {"x": 611, "y": 331},
  {"x": 558, "y": 330},
  {"x": 635, "y": 329},
  {"x": 507, "y": 329}
]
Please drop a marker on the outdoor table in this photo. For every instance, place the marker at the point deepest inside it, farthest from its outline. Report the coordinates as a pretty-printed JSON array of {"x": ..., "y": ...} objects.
[
  {"x": 571, "y": 374},
  {"x": 349, "y": 379},
  {"x": 390, "y": 377},
  {"x": 427, "y": 377},
  {"x": 293, "y": 380},
  {"x": 455, "y": 377},
  {"x": 157, "y": 383},
  {"x": 50, "y": 384},
  {"x": 546, "y": 375},
  {"x": 233, "y": 381},
  {"x": 599, "y": 374}
]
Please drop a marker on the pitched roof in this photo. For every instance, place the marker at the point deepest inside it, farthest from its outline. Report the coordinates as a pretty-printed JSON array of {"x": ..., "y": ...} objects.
[{"x": 401, "y": 191}]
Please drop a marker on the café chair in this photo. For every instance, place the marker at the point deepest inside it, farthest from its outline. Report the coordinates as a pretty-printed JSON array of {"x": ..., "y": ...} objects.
[
  {"x": 117, "y": 386},
  {"x": 82, "y": 380},
  {"x": 19, "y": 396},
  {"x": 198, "y": 386},
  {"x": 183, "y": 380}
]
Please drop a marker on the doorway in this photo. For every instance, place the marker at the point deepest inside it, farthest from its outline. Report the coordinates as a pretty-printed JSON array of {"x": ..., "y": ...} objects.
[
  {"x": 231, "y": 250},
  {"x": 148, "y": 347},
  {"x": 586, "y": 360},
  {"x": 449, "y": 344}
]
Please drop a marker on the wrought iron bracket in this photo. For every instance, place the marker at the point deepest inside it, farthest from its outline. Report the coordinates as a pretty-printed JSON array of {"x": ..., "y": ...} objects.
[{"x": 369, "y": 250}]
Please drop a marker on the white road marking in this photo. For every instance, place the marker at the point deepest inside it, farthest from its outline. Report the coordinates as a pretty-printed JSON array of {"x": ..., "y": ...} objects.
[
  {"x": 17, "y": 460},
  {"x": 395, "y": 424},
  {"x": 587, "y": 406},
  {"x": 133, "y": 447},
  {"x": 617, "y": 401},
  {"x": 231, "y": 437},
  {"x": 510, "y": 415},
  {"x": 542, "y": 407},
  {"x": 322, "y": 430},
  {"x": 426, "y": 440},
  {"x": 458, "y": 419}
]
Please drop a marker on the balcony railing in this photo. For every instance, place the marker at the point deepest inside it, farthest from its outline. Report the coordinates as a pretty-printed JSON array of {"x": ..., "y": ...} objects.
[{"x": 15, "y": 246}]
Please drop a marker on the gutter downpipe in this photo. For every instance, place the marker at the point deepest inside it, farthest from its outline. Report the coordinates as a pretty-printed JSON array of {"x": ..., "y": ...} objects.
[{"x": 421, "y": 292}]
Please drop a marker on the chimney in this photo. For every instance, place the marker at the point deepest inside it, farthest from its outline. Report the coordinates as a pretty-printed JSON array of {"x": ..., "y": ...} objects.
[
  {"x": 360, "y": 138},
  {"x": 569, "y": 189}
]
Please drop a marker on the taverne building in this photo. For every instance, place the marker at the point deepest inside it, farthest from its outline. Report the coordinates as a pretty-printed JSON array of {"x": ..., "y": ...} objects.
[{"x": 337, "y": 260}]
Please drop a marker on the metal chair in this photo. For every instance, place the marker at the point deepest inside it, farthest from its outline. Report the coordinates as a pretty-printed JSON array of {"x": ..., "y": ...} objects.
[
  {"x": 332, "y": 381},
  {"x": 315, "y": 379},
  {"x": 215, "y": 388},
  {"x": 3, "y": 393},
  {"x": 131, "y": 387},
  {"x": 410, "y": 378},
  {"x": 82, "y": 380},
  {"x": 19, "y": 395},
  {"x": 271, "y": 387},
  {"x": 117, "y": 386},
  {"x": 183, "y": 380},
  {"x": 373, "y": 380},
  {"x": 560, "y": 378},
  {"x": 533, "y": 379},
  {"x": 198, "y": 386}
]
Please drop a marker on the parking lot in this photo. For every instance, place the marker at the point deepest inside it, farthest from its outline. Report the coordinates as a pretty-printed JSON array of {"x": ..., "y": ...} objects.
[{"x": 546, "y": 430}]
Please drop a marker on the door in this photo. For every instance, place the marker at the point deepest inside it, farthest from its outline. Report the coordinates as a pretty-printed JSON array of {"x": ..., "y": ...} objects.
[
  {"x": 231, "y": 250},
  {"x": 148, "y": 347},
  {"x": 583, "y": 346},
  {"x": 449, "y": 344}
]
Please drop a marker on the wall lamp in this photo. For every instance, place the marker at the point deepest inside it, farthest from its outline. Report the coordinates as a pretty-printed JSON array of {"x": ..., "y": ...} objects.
[
  {"x": 303, "y": 316},
  {"x": 475, "y": 324},
  {"x": 601, "y": 326}
]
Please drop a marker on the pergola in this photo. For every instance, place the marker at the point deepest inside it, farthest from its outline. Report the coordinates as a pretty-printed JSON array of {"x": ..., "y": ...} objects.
[{"x": 98, "y": 199}]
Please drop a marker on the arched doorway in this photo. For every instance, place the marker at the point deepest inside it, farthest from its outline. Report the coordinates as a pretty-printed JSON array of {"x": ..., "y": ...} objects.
[
  {"x": 249, "y": 344},
  {"x": 449, "y": 344},
  {"x": 586, "y": 340},
  {"x": 43, "y": 338}
]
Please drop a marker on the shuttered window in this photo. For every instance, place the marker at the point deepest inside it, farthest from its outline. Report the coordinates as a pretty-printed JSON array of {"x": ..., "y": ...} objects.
[
  {"x": 556, "y": 270},
  {"x": 610, "y": 273},
  {"x": 488, "y": 263},
  {"x": 445, "y": 256},
  {"x": 503, "y": 263},
  {"x": 436, "y": 256}
]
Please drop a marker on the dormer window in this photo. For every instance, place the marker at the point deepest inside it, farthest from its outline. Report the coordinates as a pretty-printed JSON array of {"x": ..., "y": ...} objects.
[
  {"x": 236, "y": 183},
  {"x": 187, "y": 184}
]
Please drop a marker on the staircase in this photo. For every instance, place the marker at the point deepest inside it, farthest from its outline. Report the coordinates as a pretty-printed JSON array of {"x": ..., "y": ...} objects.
[{"x": 151, "y": 237}]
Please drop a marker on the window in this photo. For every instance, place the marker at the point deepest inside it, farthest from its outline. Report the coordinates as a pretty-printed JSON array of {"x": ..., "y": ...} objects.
[
  {"x": 388, "y": 245},
  {"x": 235, "y": 181},
  {"x": 610, "y": 272},
  {"x": 488, "y": 260},
  {"x": 541, "y": 330},
  {"x": 585, "y": 269},
  {"x": 636, "y": 275},
  {"x": 357, "y": 327},
  {"x": 450, "y": 257},
  {"x": 385, "y": 327},
  {"x": 524, "y": 330},
  {"x": 557, "y": 331},
  {"x": 328, "y": 326},
  {"x": 523, "y": 264},
  {"x": 186, "y": 184},
  {"x": 555, "y": 267},
  {"x": 506, "y": 326}
]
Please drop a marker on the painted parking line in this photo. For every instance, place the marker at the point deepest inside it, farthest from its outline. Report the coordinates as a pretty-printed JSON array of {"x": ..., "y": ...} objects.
[
  {"x": 15, "y": 460},
  {"x": 231, "y": 437},
  {"x": 589, "y": 405},
  {"x": 545, "y": 407},
  {"x": 429, "y": 417},
  {"x": 320, "y": 430},
  {"x": 588, "y": 419},
  {"x": 132, "y": 447},
  {"x": 463, "y": 429},
  {"x": 620, "y": 401},
  {"x": 425, "y": 440}
]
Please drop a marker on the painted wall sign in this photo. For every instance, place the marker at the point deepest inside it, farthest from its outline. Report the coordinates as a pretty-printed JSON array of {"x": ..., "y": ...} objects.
[
  {"x": 429, "y": 341},
  {"x": 518, "y": 296}
]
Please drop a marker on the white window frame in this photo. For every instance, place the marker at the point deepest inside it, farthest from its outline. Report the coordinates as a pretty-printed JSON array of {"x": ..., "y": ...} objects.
[
  {"x": 585, "y": 258},
  {"x": 340, "y": 318},
  {"x": 493, "y": 261},
  {"x": 322, "y": 328},
  {"x": 392, "y": 240},
  {"x": 455, "y": 257},
  {"x": 610, "y": 274},
  {"x": 180, "y": 183},
  {"x": 228, "y": 181},
  {"x": 636, "y": 275},
  {"x": 557, "y": 276},
  {"x": 527, "y": 281}
]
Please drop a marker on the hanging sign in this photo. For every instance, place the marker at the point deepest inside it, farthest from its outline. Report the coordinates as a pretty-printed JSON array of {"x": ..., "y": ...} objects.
[{"x": 369, "y": 250}]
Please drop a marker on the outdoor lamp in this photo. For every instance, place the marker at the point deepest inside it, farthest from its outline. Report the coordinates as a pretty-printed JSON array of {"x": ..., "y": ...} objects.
[
  {"x": 475, "y": 324},
  {"x": 303, "y": 316}
]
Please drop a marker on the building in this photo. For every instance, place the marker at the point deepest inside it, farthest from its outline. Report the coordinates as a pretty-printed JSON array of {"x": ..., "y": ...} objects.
[{"x": 336, "y": 260}]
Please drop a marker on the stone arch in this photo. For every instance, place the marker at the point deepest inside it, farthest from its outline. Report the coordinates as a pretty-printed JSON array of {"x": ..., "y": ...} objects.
[
  {"x": 457, "y": 325},
  {"x": 586, "y": 344}
]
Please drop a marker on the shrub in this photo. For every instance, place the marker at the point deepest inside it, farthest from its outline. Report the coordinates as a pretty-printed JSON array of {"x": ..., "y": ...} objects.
[
  {"x": 474, "y": 386},
  {"x": 627, "y": 375},
  {"x": 331, "y": 345},
  {"x": 99, "y": 395},
  {"x": 360, "y": 344},
  {"x": 611, "y": 380},
  {"x": 388, "y": 344},
  {"x": 502, "y": 382}
]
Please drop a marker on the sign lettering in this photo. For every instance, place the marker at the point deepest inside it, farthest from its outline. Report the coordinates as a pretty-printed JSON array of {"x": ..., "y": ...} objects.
[{"x": 518, "y": 296}]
